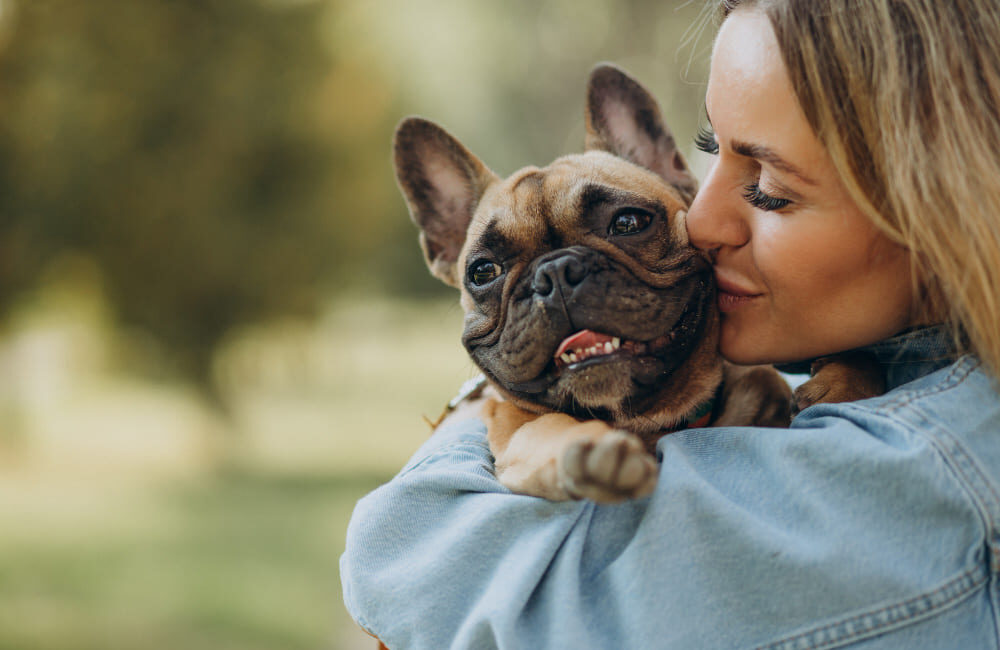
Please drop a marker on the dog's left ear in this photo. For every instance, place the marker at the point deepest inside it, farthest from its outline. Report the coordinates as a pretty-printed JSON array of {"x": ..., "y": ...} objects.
[
  {"x": 624, "y": 119},
  {"x": 442, "y": 182}
]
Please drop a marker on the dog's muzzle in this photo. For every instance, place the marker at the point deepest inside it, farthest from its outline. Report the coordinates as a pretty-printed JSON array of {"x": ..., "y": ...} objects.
[{"x": 559, "y": 273}]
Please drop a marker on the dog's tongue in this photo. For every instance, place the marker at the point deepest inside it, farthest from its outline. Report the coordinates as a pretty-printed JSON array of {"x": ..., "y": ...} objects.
[{"x": 582, "y": 339}]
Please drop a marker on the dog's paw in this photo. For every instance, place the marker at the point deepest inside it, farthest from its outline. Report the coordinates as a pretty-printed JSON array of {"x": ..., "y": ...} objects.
[
  {"x": 610, "y": 469},
  {"x": 841, "y": 378}
]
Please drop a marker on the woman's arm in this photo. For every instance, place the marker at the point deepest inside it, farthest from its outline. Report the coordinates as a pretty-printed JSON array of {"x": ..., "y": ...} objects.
[{"x": 843, "y": 527}]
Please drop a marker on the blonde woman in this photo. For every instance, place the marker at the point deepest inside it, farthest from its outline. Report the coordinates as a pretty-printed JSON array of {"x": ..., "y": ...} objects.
[{"x": 854, "y": 202}]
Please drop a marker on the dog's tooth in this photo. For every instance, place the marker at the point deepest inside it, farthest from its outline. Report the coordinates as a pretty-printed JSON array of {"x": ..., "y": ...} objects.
[
  {"x": 565, "y": 357},
  {"x": 608, "y": 348},
  {"x": 616, "y": 343},
  {"x": 573, "y": 358}
]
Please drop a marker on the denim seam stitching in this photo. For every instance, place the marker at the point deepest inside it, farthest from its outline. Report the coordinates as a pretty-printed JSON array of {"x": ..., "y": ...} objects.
[
  {"x": 971, "y": 479},
  {"x": 963, "y": 366},
  {"x": 967, "y": 465},
  {"x": 970, "y": 476},
  {"x": 971, "y": 482},
  {"x": 981, "y": 488},
  {"x": 912, "y": 609}
]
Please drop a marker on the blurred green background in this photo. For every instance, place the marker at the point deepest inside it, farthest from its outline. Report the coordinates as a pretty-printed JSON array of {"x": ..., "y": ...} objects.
[{"x": 216, "y": 329}]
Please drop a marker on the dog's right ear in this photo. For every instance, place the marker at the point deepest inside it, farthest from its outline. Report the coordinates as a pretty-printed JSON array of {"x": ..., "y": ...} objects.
[
  {"x": 623, "y": 118},
  {"x": 442, "y": 182}
]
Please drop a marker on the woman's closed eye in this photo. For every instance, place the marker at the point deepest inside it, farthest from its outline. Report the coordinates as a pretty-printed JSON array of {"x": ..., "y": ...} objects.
[
  {"x": 705, "y": 141},
  {"x": 761, "y": 200}
]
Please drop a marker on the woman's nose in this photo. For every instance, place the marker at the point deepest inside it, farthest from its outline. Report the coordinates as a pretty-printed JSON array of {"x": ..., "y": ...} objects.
[{"x": 717, "y": 217}]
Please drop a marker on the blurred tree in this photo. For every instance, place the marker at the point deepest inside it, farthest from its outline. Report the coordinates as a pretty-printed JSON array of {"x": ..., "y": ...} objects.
[
  {"x": 227, "y": 162},
  {"x": 208, "y": 154},
  {"x": 508, "y": 78}
]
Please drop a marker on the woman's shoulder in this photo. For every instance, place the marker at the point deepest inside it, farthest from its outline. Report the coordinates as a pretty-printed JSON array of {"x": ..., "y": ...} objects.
[
  {"x": 949, "y": 417},
  {"x": 842, "y": 511},
  {"x": 958, "y": 401}
]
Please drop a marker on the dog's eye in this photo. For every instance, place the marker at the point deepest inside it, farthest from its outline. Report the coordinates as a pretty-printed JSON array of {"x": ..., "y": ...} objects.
[
  {"x": 483, "y": 272},
  {"x": 629, "y": 222}
]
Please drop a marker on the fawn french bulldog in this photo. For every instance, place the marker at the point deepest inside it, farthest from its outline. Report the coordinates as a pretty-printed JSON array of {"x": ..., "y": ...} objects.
[{"x": 588, "y": 311}]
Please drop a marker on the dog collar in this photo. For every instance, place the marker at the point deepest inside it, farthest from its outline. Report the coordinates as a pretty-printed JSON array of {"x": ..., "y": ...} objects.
[
  {"x": 700, "y": 417},
  {"x": 471, "y": 389}
]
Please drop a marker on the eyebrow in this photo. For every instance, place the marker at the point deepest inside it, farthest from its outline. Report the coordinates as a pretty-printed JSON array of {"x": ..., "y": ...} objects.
[
  {"x": 492, "y": 241},
  {"x": 765, "y": 154},
  {"x": 768, "y": 155},
  {"x": 594, "y": 194}
]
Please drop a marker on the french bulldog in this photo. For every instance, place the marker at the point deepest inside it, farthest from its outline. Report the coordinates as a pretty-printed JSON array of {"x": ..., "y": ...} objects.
[{"x": 587, "y": 309}]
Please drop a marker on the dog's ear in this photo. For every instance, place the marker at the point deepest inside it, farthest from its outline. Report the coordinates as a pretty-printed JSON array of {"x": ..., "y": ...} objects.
[
  {"x": 442, "y": 182},
  {"x": 623, "y": 118}
]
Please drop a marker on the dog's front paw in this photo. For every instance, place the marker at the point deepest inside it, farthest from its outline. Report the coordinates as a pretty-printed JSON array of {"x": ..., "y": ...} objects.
[
  {"x": 609, "y": 469},
  {"x": 844, "y": 377}
]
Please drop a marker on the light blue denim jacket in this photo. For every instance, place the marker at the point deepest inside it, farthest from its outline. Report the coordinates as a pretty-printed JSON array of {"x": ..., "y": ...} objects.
[{"x": 874, "y": 525}]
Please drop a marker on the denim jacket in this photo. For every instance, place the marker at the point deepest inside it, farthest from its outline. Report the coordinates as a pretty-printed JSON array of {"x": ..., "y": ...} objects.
[{"x": 873, "y": 524}]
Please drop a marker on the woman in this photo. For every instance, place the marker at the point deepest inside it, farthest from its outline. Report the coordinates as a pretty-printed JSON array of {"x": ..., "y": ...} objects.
[{"x": 854, "y": 203}]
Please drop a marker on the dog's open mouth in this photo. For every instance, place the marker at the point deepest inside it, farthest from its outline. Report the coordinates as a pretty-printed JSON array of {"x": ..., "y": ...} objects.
[
  {"x": 588, "y": 344},
  {"x": 594, "y": 372},
  {"x": 592, "y": 367}
]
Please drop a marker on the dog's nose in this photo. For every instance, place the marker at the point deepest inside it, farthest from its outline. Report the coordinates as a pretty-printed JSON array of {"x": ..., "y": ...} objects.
[{"x": 566, "y": 270}]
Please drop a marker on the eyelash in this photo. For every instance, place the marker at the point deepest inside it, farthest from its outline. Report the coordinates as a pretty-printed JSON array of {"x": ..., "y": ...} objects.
[
  {"x": 758, "y": 199},
  {"x": 705, "y": 141}
]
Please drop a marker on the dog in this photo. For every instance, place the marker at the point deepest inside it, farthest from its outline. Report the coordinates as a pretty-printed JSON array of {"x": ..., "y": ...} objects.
[{"x": 587, "y": 309}]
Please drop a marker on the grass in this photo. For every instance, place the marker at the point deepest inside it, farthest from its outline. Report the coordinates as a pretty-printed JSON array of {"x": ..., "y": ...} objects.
[
  {"x": 239, "y": 560},
  {"x": 125, "y": 527}
]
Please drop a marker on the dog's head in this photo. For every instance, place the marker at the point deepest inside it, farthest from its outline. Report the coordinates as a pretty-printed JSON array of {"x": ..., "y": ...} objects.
[{"x": 581, "y": 291}]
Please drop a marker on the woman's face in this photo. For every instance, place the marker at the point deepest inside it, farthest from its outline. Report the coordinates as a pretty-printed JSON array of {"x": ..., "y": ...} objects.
[{"x": 801, "y": 271}]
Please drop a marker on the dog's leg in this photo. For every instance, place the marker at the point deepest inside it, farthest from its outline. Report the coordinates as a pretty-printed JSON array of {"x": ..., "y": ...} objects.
[
  {"x": 559, "y": 458},
  {"x": 753, "y": 396},
  {"x": 844, "y": 377}
]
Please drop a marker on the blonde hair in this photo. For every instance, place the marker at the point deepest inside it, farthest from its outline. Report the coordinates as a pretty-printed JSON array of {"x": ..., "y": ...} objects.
[{"x": 905, "y": 96}]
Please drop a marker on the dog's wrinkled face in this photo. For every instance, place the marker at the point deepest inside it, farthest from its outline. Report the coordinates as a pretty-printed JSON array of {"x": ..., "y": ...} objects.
[{"x": 581, "y": 291}]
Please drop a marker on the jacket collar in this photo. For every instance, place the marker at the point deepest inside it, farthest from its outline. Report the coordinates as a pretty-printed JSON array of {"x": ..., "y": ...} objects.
[
  {"x": 914, "y": 353},
  {"x": 909, "y": 355}
]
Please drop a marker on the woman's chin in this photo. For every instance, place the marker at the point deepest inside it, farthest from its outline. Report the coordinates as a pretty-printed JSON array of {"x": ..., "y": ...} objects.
[
  {"x": 737, "y": 345},
  {"x": 747, "y": 346}
]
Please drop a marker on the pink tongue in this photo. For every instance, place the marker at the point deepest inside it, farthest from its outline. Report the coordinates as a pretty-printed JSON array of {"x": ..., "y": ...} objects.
[{"x": 582, "y": 339}]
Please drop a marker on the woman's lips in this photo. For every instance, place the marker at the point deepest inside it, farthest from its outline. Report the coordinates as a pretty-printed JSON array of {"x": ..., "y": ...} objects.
[{"x": 733, "y": 295}]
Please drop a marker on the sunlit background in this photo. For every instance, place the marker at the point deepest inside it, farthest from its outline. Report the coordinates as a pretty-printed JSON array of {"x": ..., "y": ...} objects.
[{"x": 216, "y": 328}]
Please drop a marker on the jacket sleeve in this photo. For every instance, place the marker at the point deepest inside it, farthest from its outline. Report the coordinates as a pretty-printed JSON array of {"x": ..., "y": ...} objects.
[
  {"x": 844, "y": 528},
  {"x": 423, "y": 550}
]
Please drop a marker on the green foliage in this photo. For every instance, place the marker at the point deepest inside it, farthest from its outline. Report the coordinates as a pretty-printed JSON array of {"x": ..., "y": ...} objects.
[
  {"x": 226, "y": 162},
  {"x": 187, "y": 146}
]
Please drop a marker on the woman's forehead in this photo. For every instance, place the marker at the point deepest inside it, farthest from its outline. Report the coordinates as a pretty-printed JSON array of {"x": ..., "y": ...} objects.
[
  {"x": 746, "y": 59},
  {"x": 750, "y": 100}
]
